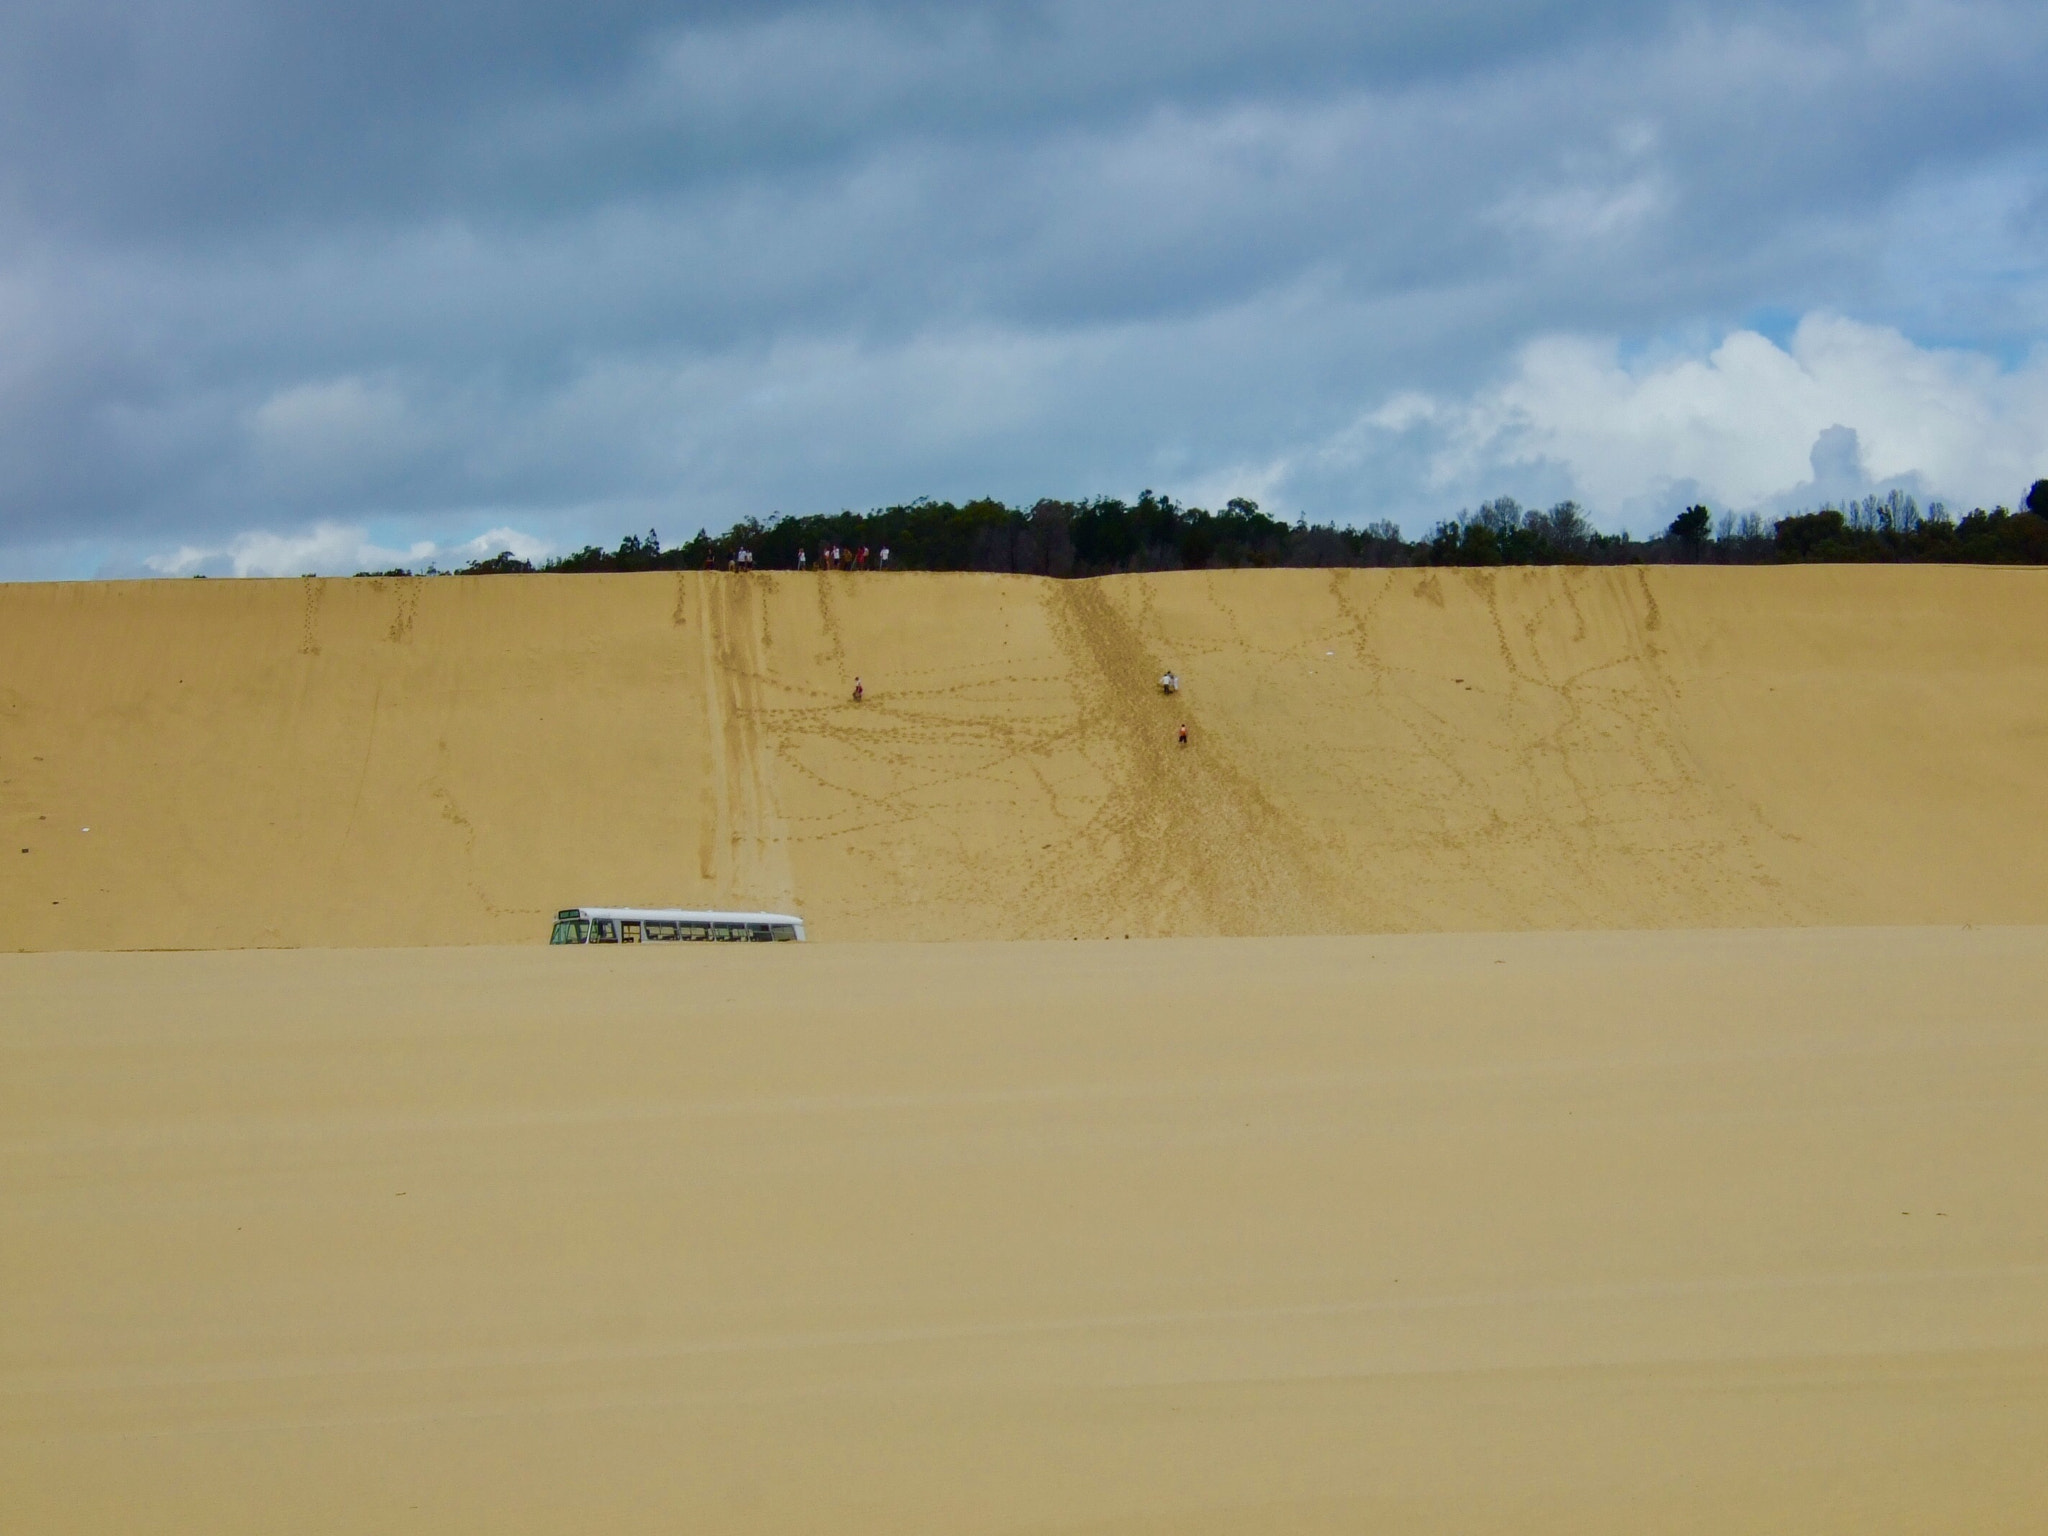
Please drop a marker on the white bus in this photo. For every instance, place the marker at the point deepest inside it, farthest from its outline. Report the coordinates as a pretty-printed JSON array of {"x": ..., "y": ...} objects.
[{"x": 664, "y": 925}]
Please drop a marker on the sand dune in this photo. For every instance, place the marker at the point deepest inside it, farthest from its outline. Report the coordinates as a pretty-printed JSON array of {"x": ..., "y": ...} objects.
[
  {"x": 1732, "y": 1226},
  {"x": 1583, "y": 1234},
  {"x": 449, "y": 760}
]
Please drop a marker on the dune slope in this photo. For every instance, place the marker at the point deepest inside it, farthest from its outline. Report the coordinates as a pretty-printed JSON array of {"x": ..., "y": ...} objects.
[{"x": 366, "y": 762}]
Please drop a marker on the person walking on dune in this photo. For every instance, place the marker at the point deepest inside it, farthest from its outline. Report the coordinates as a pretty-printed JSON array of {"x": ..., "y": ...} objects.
[
  {"x": 1183, "y": 735},
  {"x": 858, "y": 692}
]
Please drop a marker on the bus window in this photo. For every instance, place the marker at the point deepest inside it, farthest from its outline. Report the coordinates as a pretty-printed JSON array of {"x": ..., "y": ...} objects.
[{"x": 658, "y": 926}]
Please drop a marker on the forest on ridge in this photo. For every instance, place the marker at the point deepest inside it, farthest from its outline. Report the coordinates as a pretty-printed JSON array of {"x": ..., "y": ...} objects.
[{"x": 1105, "y": 536}]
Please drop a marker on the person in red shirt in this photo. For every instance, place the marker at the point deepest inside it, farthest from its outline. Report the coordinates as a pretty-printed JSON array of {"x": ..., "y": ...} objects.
[{"x": 1183, "y": 735}]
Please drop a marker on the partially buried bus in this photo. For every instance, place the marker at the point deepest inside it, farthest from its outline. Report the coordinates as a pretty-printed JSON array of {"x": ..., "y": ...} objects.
[{"x": 662, "y": 925}]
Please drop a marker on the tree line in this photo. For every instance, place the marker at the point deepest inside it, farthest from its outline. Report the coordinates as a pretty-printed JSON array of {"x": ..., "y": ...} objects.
[{"x": 1155, "y": 533}]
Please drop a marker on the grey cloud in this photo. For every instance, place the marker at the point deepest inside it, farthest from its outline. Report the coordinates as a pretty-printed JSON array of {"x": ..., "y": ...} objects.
[
  {"x": 1841, "y": 477},
  {"x": 264, "y": 265},
  {"x": 1837, "y": 460}
]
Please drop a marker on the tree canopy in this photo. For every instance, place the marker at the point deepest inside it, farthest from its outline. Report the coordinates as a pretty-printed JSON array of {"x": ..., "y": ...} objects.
[{"x": 1106, "y": 535}]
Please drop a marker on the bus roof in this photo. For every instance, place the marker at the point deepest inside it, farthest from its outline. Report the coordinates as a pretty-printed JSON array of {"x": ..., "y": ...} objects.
[{"x": 673, "y": 915}]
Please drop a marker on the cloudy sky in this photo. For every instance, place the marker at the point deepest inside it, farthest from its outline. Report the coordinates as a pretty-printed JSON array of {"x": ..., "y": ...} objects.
[{"x": 289, "y": 287}]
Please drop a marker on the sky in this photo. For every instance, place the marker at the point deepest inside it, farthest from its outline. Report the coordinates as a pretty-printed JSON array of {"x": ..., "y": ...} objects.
[{"x": 290, "y": 288}]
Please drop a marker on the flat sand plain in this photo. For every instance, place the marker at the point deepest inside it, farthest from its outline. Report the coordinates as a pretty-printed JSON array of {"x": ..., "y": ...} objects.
[
  {"x": 1678, "y": 1232},
  {"x": 450, "y": 760}
]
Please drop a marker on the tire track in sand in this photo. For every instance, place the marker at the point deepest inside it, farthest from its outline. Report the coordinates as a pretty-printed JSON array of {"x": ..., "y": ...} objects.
[
  {"x": 1185, "y": 840},
  {"x": 742, "y": 843}
]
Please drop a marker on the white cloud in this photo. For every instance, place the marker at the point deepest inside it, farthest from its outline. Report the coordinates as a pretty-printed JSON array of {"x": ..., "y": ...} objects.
[
  {"x": 335, "y": 549},
  {"x": 500, "y": 541},
  {"x": 1744, "y": 424}
]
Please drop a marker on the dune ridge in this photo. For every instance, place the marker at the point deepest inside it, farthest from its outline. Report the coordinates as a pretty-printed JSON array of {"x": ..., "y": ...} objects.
[{"x": 448, "y": 760}]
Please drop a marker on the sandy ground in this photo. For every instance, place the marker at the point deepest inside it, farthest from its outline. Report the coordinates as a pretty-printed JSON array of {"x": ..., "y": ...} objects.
[
  {"x": 442, "y": 761},
  {"x": 1677, "y": 1232}
]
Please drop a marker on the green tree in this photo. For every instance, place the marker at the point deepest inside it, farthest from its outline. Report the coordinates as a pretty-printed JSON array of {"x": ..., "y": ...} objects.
[{"x": 1690, "y": 527}]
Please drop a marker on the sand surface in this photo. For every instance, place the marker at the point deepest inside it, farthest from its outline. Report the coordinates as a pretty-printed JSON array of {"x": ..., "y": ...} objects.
[
  {"x": 442, "y": 761},
  {"x": 1584, "y": 1233},
  {"x": 1729, "y": 1223}
]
